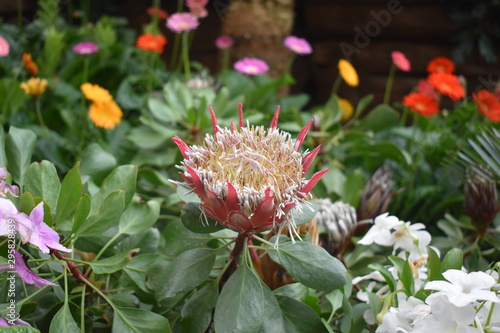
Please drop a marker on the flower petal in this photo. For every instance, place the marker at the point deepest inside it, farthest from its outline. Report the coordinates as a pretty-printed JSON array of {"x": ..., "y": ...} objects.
[
  {"x": 313, "y": 181},
  {"x": 302, "y": 135},
  {"x": 183, "y": 147},
  {"x": 232, "y": 200},
  {"x": 274, "y": 122},
  {"x": 214, "y": 121},
  {"x": 308, "y": 159},
  {"x": 265, "y": 211}
]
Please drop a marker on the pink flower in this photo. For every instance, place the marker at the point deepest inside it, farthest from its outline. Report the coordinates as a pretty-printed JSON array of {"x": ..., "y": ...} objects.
[
  {"x": 6, "y": 187},
  {"x": 25, "y": 272},
  {"x": 197, "y": 7},
  {"x": 4, "y": 47},
  {"x": 425, "y": 88},
  {"x": 400, "y": 60},
  {"x": 180, "y": 22},
  {"x": 297, "y": 45},
  {"x": 224, "y": 42},
  {"x": 86, "y": 48},
  {"x": 251, "y": 66},
  {"x": 196, "y": 3},
  {"x": 249, "y": 178}
]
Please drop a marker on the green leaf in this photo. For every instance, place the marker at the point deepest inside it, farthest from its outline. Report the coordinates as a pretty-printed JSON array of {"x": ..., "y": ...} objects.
[
  {"x": 122, "y": 178},
  {"x": 452, "y": 260},
  {"x": 434, "y": 265},
  {"x": 63, "y": 322},
  {"x": 42, "y": 181},
  {"x": 305, "y": 214},
  {"x": 3, "y": 156},
  {"x": 162, "y": 111},
  {"x": 389, "y": 278},
  {"x": 179, "y": 239},
  {"x": 18, "y": 329},
  {"x": 240, "y": 307},
  {"x": 335, "y": 298},
  {"x": 353, "y": 188},
  {"x": 106, "y": 215},
  {"x": 381, "y": 117},
  {"x": 407, "y": 279},
  {"x": 81, "y": 212},
  {"x": 139, "y": 216},
  {"x": 298, "y": 317},
  {"x": 19, "y": 146},
  {"x": 132, "y": 320},
  {"x": 26, "y": 203},
  {"x": 96, "y": 161},
  {"x": 70, "y": 193},
  {"x": 197, "y": 311},
  {"x": 186, "y": 272},
  {"x": 195, "y": 221},
  {"x": 310, "y": 264},
  {"x": 273, "y": 317},
  {"x": 113, "y": 263},
  {"x": 138, "y": 267}
]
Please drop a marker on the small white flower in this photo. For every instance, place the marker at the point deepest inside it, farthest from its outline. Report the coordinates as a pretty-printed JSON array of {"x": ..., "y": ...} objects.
[
  {"x": 401, "y": 319},
  {"x": 412, "y": 238},
  {"x": 464, "y": 288},
  {"x": 380, "y": 232}
]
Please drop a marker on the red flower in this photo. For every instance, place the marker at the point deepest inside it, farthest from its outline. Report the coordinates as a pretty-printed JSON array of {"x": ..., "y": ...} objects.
[
  {"x": 421, "y": 104},
  {"x": 29, "y": 64},
  {"x": 155, "y": 11},
  {"x": 440, "y": 65},
  {"x": 447, "y": 84},
  {"x": 151, "y": 43},
  {"x": 248, "y": 178},
  {"x": 487, "y": 104}
]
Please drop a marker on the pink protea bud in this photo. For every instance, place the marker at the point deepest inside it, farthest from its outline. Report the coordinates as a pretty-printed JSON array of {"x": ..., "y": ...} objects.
[{"x": 248, "y": 177}]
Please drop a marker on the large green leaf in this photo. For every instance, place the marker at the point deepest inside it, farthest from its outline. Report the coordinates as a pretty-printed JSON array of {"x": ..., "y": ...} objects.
[
  {"x": 19, "y": 146},
  {"x": 310, "y": 264},
  {"x": 298, "y": 317},
  {"x": 42, "y": 181},
  {"x": 452, "y": 260},
  {"x": 122, "y": 178},
  {"x": 273, "y": 317},
  {"x": 18, "y": 329},
  {"x": 3, "y": 156},
  {"x": 96, "y": 161},
  {"x": 70, "y": 194},
  {"x": 241, "y": 306},
  {"x": 139, "y": 216},
  {"x": 137, "y": 269},
  {"x": 195, "y": 221},
  {"x": 197, "y": 311},
  {"x": 113, "y": 263},
  {"x": 381, "y": 117},
  {"x": 81, "y": 212},
  {"x": 105, "y": 216},
  {"x": 185, "y": 272},
  {"x": 179, "y": 239},
  {"x": 132, "y": 320},
  {"x": 63, "y": 322}
]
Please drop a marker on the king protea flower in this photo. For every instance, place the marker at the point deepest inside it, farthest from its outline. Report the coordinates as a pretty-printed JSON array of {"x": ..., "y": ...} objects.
[{"x": 249, "y": 178}]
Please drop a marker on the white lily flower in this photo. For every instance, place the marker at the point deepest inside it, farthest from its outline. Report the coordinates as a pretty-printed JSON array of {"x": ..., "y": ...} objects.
[{"x": 380, "y": 233}]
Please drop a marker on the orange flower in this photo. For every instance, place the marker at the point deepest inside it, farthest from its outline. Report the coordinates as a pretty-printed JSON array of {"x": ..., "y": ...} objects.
[
  {"x": 447, "y": 84},
  {"x": 487, "y": 104},
  {"x": 151, "y": 43},
  {"x": 421, "y": 104},
  {"x": 34, "y": 86},
  {"x": 95, "y": 93},
  {"x": 105, "y": 114},
  {"x": 440, "y": 65},
  {"x": 29, "y": 64}
]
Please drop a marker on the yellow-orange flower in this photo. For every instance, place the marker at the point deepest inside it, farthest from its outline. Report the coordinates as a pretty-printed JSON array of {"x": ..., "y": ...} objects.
[
  {"x": 422, "y": 104},
  {"x": 487, "y": 104},
  {"x": 95, "y": 93},
  {"x": 34, "y": 86},
  {"x": 105, "y": 114},
  {"x": 151, "y": 43},
  {"x": 440, "y": 65},
  {"x": 346, "y": 108},
  {"x": 447, "y": 84},
  {"x": 348, "y": 73},
  {"x": 29, "y": 64}
]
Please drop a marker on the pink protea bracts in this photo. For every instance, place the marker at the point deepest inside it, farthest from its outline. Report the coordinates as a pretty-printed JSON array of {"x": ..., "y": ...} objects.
[{"x": 249, "y": 179}]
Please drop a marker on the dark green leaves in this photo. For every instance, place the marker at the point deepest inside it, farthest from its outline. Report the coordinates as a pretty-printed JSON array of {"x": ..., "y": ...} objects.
[
  {"x": 19, "y": 146},
  {"x": 42, "y": 181},
  {"x": 310, "y": 264},
  {"x": 63, "y": 322},
  {"x": 193, "y": 219},
  {"x": 132, "y": 320},
  {"x": 197, "y": 312},
  {"x": 69, "y": 194}
]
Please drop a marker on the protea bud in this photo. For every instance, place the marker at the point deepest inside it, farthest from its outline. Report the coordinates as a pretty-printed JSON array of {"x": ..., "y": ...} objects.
[
  {"x": 376, "y": 195},
  {"x": 480, "y": 200},
  {"x": 248, "y": 178},
  {"x": 339, "y": 219}
]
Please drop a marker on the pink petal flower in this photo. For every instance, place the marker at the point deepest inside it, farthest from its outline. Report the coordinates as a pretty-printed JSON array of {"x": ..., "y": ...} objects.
[
  {"x": 251, "y": 66},
  {"x": 297, "y": 45},
  {"x": 224, "y": 42},
  {"x": 25, "y": 272},
  {"x": 4, "y": 47},
  {"x": 401, "y": 62},
  {"x": 180, "y": 22},
  {"x": 86, "y": 48}
]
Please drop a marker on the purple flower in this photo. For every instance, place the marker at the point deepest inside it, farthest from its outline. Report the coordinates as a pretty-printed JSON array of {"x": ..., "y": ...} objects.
[
  {"x": 224, "y": 42},
  {"x": 297, "y": 45},
  {"x": 6, "y": 187},
  {"x": 25, "y": 272},
  {"x": 86, "y": 48},
  {"x": 11, "y": 221},
  {"x": 251, "y": 66},
  {"x": 42, "y": 235},
  {"x": 180, "y": 22},
  {"x": 4, "y": 47}
]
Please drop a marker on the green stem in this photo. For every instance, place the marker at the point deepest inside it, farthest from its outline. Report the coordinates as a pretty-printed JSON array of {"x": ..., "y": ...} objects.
[
  {"x": 175, "y": 52},
  {"x": 404, "y": 116},
  {"x": 108, "y": 244},
  {"x": 38, "y": 111},
  {"x": 30, "y": 296},
  {"x": 388, "y": 86},
  {"x": 336, "y": 85},
  {"x": 185, "y": 54},
  {"x": 82, "y": 309},
  {"x": 86, "y": 61}
]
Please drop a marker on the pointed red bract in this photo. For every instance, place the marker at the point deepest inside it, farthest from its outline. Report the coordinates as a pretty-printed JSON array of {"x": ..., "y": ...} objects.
[
  {"x": 274, "y": 122},
  {"x": 313, "y": 181},
  {"x": 183, "y": 147},
  {"x": 232, "y": 201},
  {"x": 214, "y": 121},
  {"x": 240, "y": 114},
  {"x": 302, "y": 135},
  {"x": 308, "y": 159}
]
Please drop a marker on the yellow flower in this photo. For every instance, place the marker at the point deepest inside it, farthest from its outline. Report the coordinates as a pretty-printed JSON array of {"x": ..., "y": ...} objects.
[
  {"x": 34, "y": 86},
  {"x": 95, "y": 93},
  {"x": 348, "y": 73},
  {"x": 105, "y": 114},
  {"x": 346, "y": 108}
]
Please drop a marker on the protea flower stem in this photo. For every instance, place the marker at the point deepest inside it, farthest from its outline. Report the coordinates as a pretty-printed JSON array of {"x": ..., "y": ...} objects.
[{"x": 239, "y": 245}]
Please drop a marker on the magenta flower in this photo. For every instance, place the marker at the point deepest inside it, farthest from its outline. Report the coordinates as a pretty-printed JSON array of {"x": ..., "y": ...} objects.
[
  {"x": 11, "y": 221},
  {"x": 180, "y": 22},
  {"x": 6, "y": 187},
  {"x": 4, "y": 47},
  {"x": 424, "y": 87},
  {"x": 249, "y": 178},
  {"x": 25, "y": 272},
  {"x": 251, "y": 66},
  {"x": 86, "y": 48},
  {"x": 297, "y": 45},
  {"x": 400, "y": 60},
  {"x": 42, "y": 235},
  {"x": 224, "y": 42}
]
